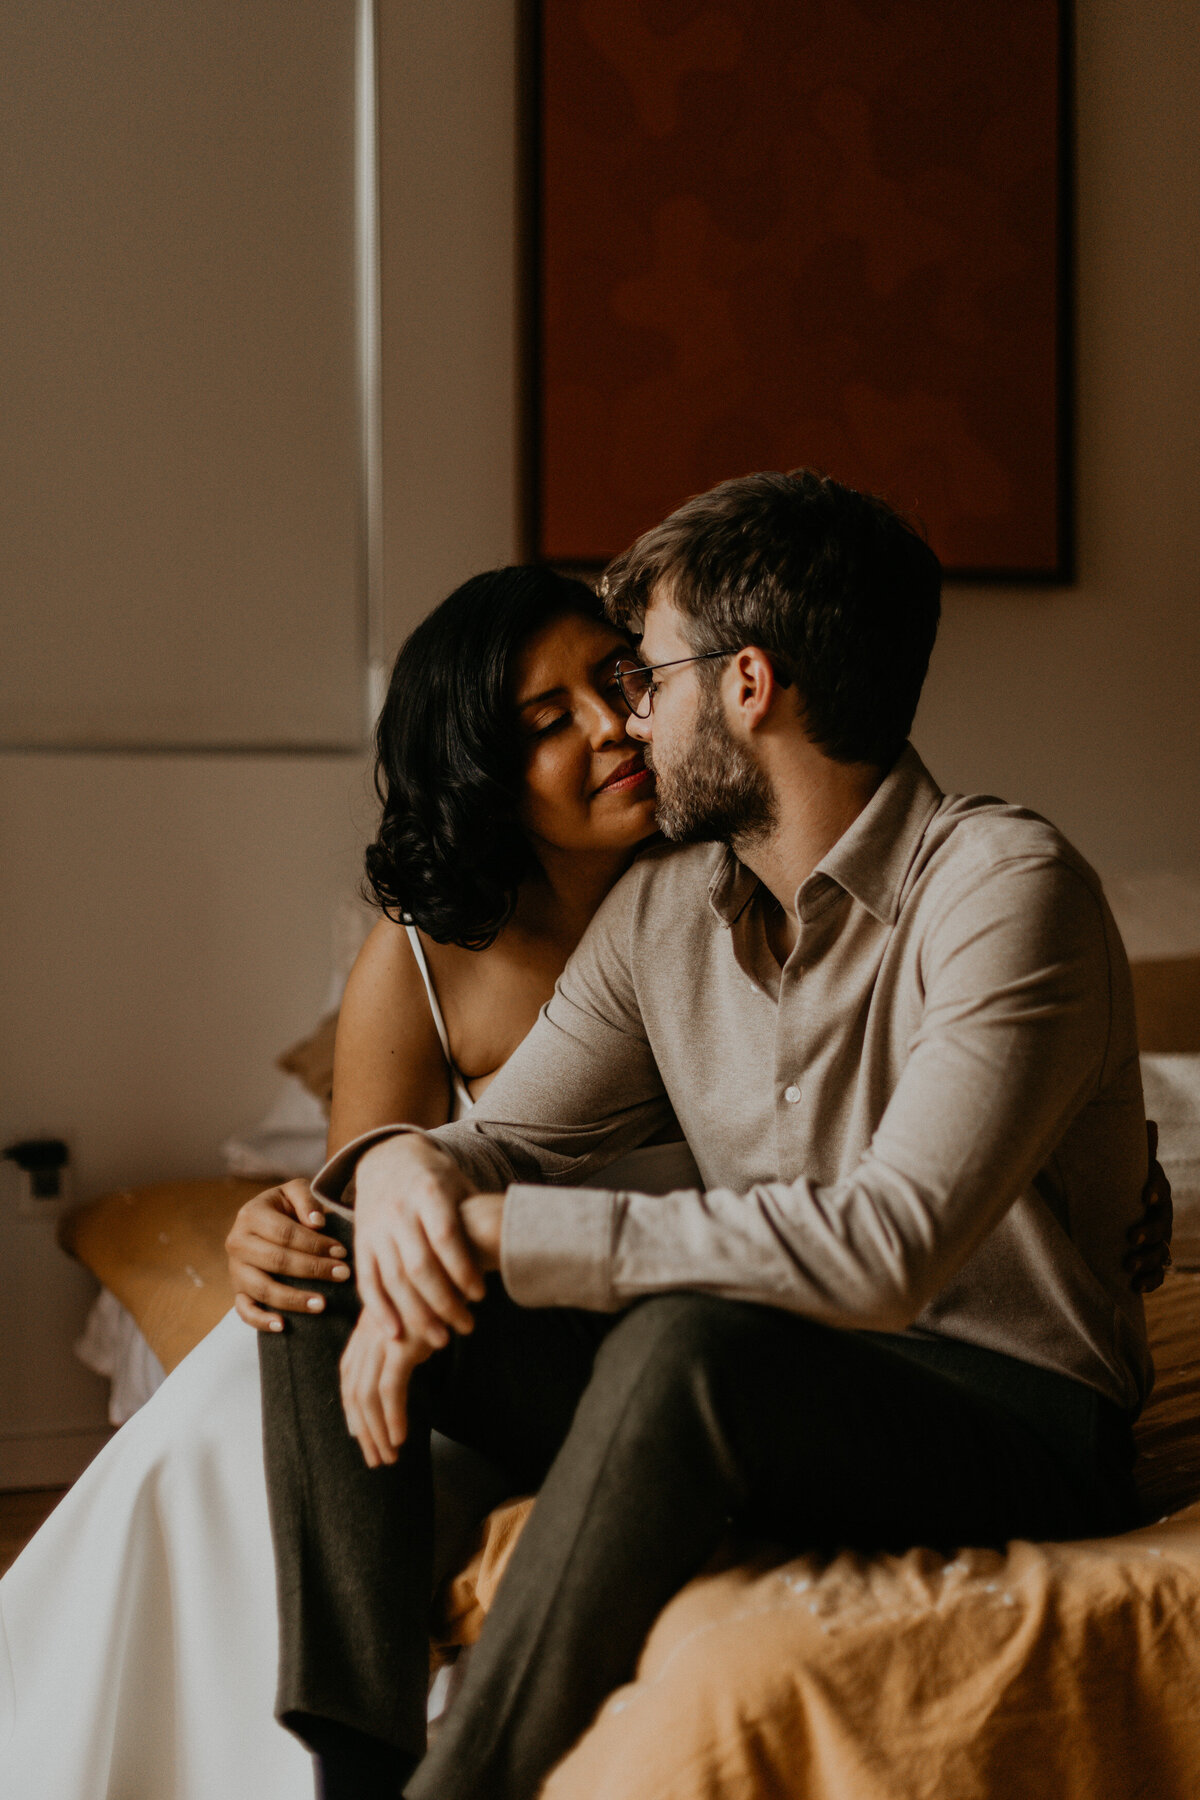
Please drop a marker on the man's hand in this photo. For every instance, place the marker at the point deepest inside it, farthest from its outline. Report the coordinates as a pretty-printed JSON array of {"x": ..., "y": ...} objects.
[
  {"x": 483, "y": 1220},
  {"x": 272, "y": 1235},
  {"x": 416, "y": 1268},
  {"x": 1150, "y": 1235},
  {"x": 375, "y": 1373}
]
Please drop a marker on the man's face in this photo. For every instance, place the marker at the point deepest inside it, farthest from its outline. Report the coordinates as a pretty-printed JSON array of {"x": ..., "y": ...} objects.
[{"x": 710, "y": 787}]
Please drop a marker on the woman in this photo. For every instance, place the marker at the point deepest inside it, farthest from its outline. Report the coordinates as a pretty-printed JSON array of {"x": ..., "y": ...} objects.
[
  {"x": 141, "y": 1621},
  {"x": 500, "y": 843}
]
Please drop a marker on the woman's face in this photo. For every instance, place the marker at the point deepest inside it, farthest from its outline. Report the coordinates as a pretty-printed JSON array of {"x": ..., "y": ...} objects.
[{"x": 586, "y": 785}]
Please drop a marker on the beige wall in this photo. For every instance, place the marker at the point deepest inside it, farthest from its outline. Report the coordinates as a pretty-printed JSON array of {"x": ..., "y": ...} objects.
[
  {"x": 1085, "y": 702},
  {"x": 173, "y": 917},
  {"x": 448, "y": 210}
]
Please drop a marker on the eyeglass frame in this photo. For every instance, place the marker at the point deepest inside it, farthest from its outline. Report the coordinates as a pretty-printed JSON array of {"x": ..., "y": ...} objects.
[{"x": 652, "y": 669}]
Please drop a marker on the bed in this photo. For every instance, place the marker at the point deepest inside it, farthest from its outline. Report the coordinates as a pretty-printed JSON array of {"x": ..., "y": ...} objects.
[{"x": 1061, "y": 1671}]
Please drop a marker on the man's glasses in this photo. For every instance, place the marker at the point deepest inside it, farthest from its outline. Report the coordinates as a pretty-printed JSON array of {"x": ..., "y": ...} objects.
[{"x": 638, "y": 686}]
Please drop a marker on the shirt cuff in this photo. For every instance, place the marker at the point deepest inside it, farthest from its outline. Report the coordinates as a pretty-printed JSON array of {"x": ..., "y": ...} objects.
[
  {"x": 333, "y": 1185},
  {"x": 556, "y": 1247}
]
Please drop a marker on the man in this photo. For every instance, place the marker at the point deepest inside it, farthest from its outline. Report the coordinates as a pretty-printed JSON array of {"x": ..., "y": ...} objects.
[{"x": 897, "y": 1031}]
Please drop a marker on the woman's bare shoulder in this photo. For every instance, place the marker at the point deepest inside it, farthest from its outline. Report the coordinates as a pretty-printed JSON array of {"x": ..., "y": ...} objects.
[
  {"x": 386, "y": 955},
  {"x": 389, "y": 1065}
]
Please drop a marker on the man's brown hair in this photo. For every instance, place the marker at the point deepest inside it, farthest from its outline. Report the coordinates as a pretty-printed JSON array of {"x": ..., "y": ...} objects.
[{"x": 838, "y": 588}]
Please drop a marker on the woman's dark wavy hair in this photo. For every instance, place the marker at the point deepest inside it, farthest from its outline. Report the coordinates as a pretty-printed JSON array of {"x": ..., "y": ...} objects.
[{"x": 449, "y": 855}]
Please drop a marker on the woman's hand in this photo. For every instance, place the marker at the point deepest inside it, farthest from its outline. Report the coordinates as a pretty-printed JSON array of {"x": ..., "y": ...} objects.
[
  {"x": 1150, "y": 1235},
  {"x": 416, "y": 1268},
  {"x": 272, "y": 1235},
  {"x": 375, "y": 1373}
]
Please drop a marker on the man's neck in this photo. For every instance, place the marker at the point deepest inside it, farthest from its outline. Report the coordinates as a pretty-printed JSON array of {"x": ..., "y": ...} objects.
[{"x": 816, "y": 803}]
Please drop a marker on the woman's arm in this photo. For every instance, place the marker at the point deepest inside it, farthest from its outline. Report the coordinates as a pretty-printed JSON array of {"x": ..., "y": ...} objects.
[
  {"x": 388, "y": 1065},
  {"x": 388, "y": 1061},
  {"x": 1150, "y": 1235}
]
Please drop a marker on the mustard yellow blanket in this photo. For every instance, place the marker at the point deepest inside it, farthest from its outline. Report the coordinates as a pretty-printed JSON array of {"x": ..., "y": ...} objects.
[{"x": 1050, "y": 1672}]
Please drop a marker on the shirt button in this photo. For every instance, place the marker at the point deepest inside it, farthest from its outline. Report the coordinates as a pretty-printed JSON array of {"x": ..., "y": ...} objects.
[{"x": 791, "y": 1095}]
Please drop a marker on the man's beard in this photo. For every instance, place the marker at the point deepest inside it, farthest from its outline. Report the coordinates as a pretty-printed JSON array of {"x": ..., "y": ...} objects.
[{"x": 716, "y": 793}]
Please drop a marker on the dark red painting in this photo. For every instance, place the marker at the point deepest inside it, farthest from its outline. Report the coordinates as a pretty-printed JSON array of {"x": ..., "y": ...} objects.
[{"x": 821, "y": 232}]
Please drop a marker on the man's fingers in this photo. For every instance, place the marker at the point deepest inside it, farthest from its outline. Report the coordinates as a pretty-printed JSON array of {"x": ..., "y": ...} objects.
[
  {"x": 448, "y": 1242},
  {"x": 357, "y": 1371},
  {"x": 394, "y": 1394},
  {"x": 415, "y": 1263},
  {"x": 372, "y": 1430},
  {"x": 420, "y": 1321},
  {"x": 371, "y": 1407},
  {"x": 425, "y": 1274},
  {"x": 358, "y": 1430},
  {"x": 374, "y": 1374},
  {"x": 376, "y": 1299}
]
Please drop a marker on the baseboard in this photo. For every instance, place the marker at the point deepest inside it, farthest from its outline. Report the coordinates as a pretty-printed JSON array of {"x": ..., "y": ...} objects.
[{"x": 48, "y": 1459}]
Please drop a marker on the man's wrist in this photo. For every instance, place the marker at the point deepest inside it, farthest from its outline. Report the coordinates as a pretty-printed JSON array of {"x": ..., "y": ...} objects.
[
  {"x": 334, "y": 1185},
  {"x": 483, "y": 1223},
  {"x": 404, "y": 1148}
]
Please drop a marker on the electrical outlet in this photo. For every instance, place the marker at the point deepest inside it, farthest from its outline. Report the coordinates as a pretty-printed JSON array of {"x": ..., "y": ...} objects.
[{"x": 42, "y": 1176}]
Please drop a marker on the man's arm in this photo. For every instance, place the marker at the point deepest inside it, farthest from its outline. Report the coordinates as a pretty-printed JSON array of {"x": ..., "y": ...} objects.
[
  {"x": 1013, "y": 1042},
  {"x": 581, "y": 1090}
]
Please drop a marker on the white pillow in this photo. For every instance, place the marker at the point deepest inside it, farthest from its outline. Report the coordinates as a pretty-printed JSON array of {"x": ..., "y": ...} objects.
[{"x": 290, "y": 1140}]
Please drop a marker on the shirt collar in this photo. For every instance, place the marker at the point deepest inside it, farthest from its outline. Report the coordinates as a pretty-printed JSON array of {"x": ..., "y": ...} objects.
[
  {"x": 869, "y": 861},
  {"x": 872, "y": 859},
  {"x": 732, "y": 887}
]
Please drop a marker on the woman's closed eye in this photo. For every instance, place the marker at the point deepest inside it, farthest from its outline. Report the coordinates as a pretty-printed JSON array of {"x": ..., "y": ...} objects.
[{"x": 543, "y": 727}]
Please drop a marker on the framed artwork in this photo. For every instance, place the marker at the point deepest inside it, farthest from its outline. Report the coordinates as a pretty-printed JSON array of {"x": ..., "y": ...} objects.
[{"x": 833, "y": 233}]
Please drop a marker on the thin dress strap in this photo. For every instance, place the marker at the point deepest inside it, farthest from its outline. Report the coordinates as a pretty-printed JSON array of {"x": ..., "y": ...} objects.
[{"x": 461, "y": 1091}]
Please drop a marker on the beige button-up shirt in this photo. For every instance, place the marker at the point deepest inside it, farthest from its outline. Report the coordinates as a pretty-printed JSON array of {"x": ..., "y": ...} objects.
[{"x": 929, "y": 1120}]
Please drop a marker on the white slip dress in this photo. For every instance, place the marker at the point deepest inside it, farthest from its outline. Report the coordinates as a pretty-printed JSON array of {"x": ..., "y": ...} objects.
[{"x": 138, "y": 1628}]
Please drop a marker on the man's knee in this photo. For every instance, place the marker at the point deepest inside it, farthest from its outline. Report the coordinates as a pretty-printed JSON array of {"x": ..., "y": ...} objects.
[{"x": 666, "y": 1342}]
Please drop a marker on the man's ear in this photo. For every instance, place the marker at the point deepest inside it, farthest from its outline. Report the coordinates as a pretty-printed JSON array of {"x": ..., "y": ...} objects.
[{"x": 756, "y": 687}]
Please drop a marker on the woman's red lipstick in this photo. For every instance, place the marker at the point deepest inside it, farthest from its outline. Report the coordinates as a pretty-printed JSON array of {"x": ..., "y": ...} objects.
[{"x": 629, "y": 775}]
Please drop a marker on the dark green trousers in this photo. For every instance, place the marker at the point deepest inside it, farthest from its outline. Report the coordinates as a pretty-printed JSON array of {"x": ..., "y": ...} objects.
[{"x": 647, "y": 1435}]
